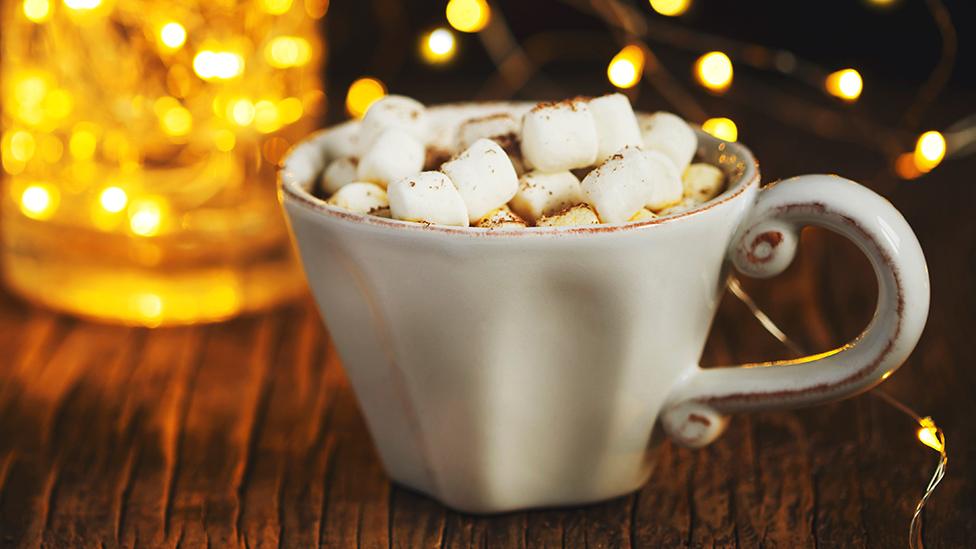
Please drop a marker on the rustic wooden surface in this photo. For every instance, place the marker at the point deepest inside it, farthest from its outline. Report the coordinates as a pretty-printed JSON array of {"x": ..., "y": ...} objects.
[{"x": 247, "y": 433}]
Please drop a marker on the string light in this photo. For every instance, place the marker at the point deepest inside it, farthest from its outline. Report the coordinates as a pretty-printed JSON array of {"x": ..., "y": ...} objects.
[
  {"x": 438, "y": 46},
  {"x": 172, "y": 35},
  {"x": 624, "y": 70},
  {"x": 468, "y": 15},
  {"x": 671, "y": 8},
  {"x": 362, "y": 93},
  {"x": 928, "y": 434},
  {"x": 722, "y": 128},
  {"x": 845, "y": 84},
  {"x": 930, "y": 149},
  {"x": 218, "y": 65},
  {"x": 714, "y": 71},
  {"x": 37, "y": 11},
  {"x": 113, "y": 199},
  {"x": 38, "y": 201}
]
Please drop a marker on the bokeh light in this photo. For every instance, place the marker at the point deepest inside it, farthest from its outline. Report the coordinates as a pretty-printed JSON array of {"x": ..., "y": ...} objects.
[
  {"x": 438, "y": 46},
  {"x": 172, "y": 35},
  {"x": 845, "y": 84},
  {"x": 37, "y": 11},
  {"x": 218, "y": 65},
  {"x": 146, "y": 216},
  {"x": 363, "y": 93},
  {"x": 722, "y": 128},
  {"x": 930, "y": 149},
  {"x": 38, "y": 201},
  {"x": 624, "y": 70},
  {"x": 671, "y": 8},
  {"x": 714, "y": 71},
  {"x": 113, "y": 199},
  {"x": 468, "y": 15},
  {"x": 288, "y": 51}
]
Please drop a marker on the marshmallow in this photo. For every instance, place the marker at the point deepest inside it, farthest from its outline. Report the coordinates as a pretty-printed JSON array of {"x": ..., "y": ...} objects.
[
  {"x": 671, "y": 135},
  {"x": 360, "y": 197},
  {"x": 339, "y": 173},
  {"x": 427, "y": 197},
  {"x": 501, "y": 218},
  {"x": 484, "y": 176},
  {"x": 643, "y": 214},
  {"x": 542, "y": 194},
  {"x": 394, "y": 111},
  {"x": 394, "y": 155},
  {"x": 501, "y": 128},
  {"x": 576, "y": 216},
  {"x": 621, "y": 186},
  {"x": 616, "y": 124},
  {"x": 703, "y": 182},
  {"x": 665, "y": 182},
  {"x": 559, "y": 136}
]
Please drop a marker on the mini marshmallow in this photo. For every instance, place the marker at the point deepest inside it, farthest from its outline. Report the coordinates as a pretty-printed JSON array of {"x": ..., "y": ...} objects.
[
  {"x": 394, "y": 155},
  {"x": 542, "y": 194},
  {"x": 703, "y": 181},
  {"x": 576, "y": 216},
  {"x": 671, "y": 135},
  {"x": 559, "y": 136},
  {"x": 394, "y": 111},
  {"x": 484, "y": 176},
  {"x": 643, "y": 214},
  {"x": 339, "y": 173},
  {"x": 501, "y": 128},
  {"x": 501, "y": 218},
  {"x": 666, "y": 187},
  {"x": 616, "y": 124},
  {"x": 360, "y": 197},
  {"x": 619, "y": 187},
  {"x": 427, "y": 197}
]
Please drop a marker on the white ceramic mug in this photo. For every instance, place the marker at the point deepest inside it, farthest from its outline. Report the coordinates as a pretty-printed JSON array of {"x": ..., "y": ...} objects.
[{"x": 500, "y": 370}]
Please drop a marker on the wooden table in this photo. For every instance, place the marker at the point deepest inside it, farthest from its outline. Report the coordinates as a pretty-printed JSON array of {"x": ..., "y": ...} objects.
[{"x": 247, "y": 433}]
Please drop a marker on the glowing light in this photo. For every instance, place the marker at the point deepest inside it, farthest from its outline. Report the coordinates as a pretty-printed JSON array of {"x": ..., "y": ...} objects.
[
  {"x": 57, "y": 104},
  {"x": 82, "y": 4},
  {"x": 930, "y": 149},
  {"x": 172, "y": 35},
  {"x": 266, "y": 116},
  {"x": 468, "y": 15},
  {"x": 276, "y": 7},
  {"x": 224, "y": 140},
  {"x": 624, "y": 70},
  {"x": 218, "y": 65},
  {"x": 290, "y": 109},
  {"x": 145, "y": 216},
  {"x": 671, "y": 8},
  {"x": 363, "y": 93},
  {"x": 714, "y": 71},
  {"x": 22, "y": 146},
  {"x": 176, "y": 121},
  {"x": 845, "y": 84},
  {"x": 722, "y": 128},
  {"x": 316, "y": 8},
  {"x": 242, "y": 112},
  {"x": 113, "y": 199},
  {"x": 928, "y": 434},
  {"x": 38, "y": 201},
  {"x": 37, "y": 11},
  {"x": 437, "y": 46},
  {"x": 288, "y": 51},
  {"x": 149, "y": 307},
  {"x": 83, "y": 141},
  {"x": 905, "y": 166},
  {"x": 882, "y": 3}
]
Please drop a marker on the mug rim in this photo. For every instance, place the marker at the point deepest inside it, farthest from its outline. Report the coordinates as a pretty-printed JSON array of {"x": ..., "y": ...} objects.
[{"x": 292, "y": 189}]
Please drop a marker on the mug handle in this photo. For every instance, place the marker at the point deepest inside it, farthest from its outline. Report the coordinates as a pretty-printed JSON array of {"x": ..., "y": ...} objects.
[{"x": 695, "y": 412}]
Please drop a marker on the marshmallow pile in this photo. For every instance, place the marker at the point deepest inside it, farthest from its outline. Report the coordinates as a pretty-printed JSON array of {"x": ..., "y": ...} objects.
[{"x": 513, "y": 173}]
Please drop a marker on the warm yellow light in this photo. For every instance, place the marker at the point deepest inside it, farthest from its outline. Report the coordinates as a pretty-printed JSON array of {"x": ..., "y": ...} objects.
[
  {"x": 37, "y": 11},
  {"x": 928, "y": 434},
  {"x": 57, "y": 104},
  {"x": 38, "y": 201},
  {"x": 671, "y": 8},
  {"x": 845, "y": 84},
  {"x": 930, "y": 149},
  {"x": 113, "y": 199},
  {"x": 714, "y": 71},
  {"x": 288, "y": 51},
  {"x": 145, "y": 216},
  {"x": 22, "y": 146},
  {"x": 224, "y": 140},
  {"x": 905, "y": 166},
  {"x": 82, "y": 4},
  {"x": 266, "y": 116},
  {"x": 149, "y": 307},
  {"x": 624, "y": 70},
  {"x": 218, "y": 65},
  {"x": 363, "y": 93},
  {"x": 176, "y": 121},
  {"x": 468, "y": 15},
  {"x": 276, "y": 7},
  {"x": 290, "y": 109},
  {"x": 882, "y": 3},
  {"x": 437, "y": 46},
  {"x": 242, "y": 112},
  {"x": 83, "y": 141},
  {"x": 172, "y": 35},
  {"x": 722, "y": 128}
]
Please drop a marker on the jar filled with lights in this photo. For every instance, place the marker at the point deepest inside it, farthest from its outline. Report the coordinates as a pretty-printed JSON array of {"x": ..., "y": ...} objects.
[{"x": 139, "y": 145}]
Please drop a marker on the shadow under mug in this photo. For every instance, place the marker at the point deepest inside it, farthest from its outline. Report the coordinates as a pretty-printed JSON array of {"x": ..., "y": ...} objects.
[{"x": 500, "y": 370}]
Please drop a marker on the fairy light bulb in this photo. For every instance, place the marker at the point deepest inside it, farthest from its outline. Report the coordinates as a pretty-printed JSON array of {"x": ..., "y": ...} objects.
[
  {"x": 146, "y": 216},
  {"x": 722, "y": 128},
  {"x": 845, "y": 84},
  {"x": 363, "y": 93},
  {"x": 671, "y": 8},
  {"x": 714, "y": 71},
  {"x": 438, "y": 46},
  {"x": 468, "y": 15},
  {"x": 928, "y": 434},
  {"x": 624, "y": 70},
  {"x": 113, "y": 199},
  {"x": 218, "y": 65},
  {"x": 38, "y": 201},
  {"x": 37, "y": 11},
  {"x": 172, "y": 35},
  {"x": 930, "y": 149}
]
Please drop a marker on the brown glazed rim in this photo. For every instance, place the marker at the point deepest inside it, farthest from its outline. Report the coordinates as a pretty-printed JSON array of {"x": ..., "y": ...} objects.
[{"x": 293, "y": 191}]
